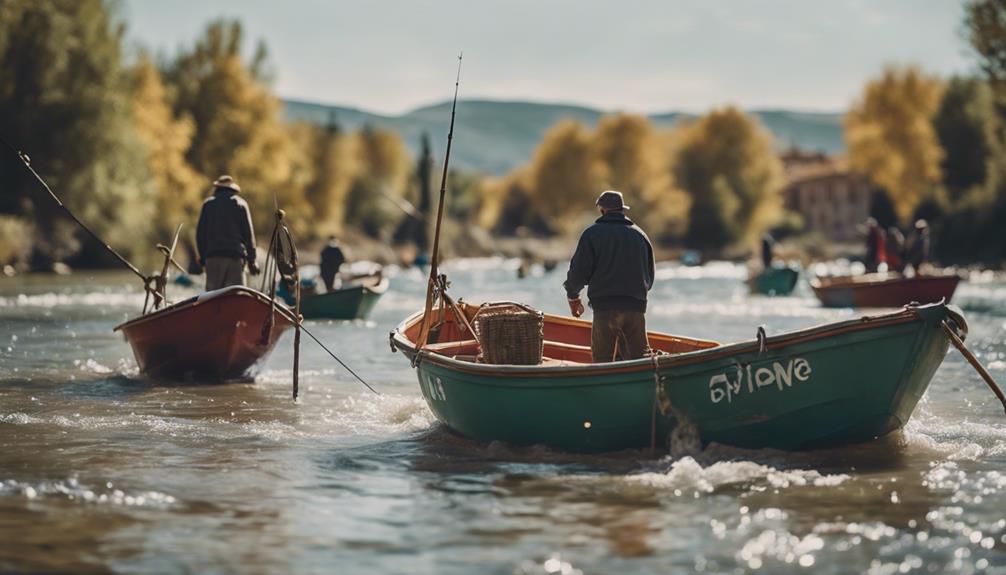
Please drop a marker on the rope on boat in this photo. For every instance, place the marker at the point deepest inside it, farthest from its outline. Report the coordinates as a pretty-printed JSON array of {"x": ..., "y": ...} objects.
[
  {"x": 959, "y": 344},
  {"x": 660, "y": 400},
  {"x": 281, "y": 264}
]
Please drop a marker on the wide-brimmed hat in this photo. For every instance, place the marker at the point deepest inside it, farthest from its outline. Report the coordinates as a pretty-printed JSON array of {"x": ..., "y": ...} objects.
[
  {"x": 227, "y": 182},
  {"x": 611, "y": 200}
]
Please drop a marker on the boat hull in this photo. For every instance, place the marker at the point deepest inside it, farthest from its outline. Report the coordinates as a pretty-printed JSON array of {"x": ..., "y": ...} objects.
[
  {"x": 877, "y": 290},
  {"x": 774, "y": 281},
  {"x": 355, "y": 302},
  {"x": 839, "y": 384},
  {"x": 213, "y": 337}
]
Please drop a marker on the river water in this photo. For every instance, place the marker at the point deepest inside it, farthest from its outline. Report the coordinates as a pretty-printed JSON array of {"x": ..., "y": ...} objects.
[{"x": 102, "y": 470}]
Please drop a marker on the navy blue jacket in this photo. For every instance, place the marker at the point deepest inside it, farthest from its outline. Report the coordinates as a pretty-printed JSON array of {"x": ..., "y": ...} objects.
[
  {"x": 225, "y": 227},
  {"x": 615, "y": 259}
]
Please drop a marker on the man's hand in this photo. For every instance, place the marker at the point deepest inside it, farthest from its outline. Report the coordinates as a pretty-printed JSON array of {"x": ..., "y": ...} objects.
[
  {"x": 576, "y": 307},
  {"x": 253, "y": 268}
]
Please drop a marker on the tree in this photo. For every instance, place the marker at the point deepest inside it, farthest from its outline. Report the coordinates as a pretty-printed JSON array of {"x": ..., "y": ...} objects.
[
  {"x": 985, "y": 26},
  {"x": 635, "y": 159},
  {"x": 64, "y": 100},
  {"x": 727, "y": 164},
  {"x": 166, "y": 139},
  {"x": 383, "y": 177},
  {"x": 968, "y": 129},
  {"x": 890, "y": 136},
  {"x": 565, "y": 175},
  {"x": 238, "y": 126}
]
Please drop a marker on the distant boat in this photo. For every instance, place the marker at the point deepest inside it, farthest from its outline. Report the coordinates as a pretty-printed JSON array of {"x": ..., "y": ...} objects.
[
  {"x": 841, "y": 383},
  {"x": 352, "y": 301},
  {"x": 883, "y": 289},
  {"x": 774, "y": 281},
  {"x": 216, "y": 335}
]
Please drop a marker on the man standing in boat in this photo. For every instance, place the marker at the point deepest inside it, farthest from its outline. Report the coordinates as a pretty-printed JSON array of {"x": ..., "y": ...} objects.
[
  {"x": 225, "y": 237},
  {"x": 614, "y": 258},
  {"x": 332, "y": 258}
]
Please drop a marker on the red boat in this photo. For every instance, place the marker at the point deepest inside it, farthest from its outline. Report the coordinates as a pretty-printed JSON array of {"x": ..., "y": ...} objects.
[
  {"x": 217, "y": 335},
  {"x": 883, "y": 289}
]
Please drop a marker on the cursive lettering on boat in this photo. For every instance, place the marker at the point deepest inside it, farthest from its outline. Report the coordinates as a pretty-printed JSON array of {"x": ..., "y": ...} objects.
[{"x": 779, "y": 375}]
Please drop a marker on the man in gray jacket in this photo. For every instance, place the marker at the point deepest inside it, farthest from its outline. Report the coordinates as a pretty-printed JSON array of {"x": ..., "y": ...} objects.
[
  {"x": 225, "y": 237},
  {"x": 614, "y": 258}
]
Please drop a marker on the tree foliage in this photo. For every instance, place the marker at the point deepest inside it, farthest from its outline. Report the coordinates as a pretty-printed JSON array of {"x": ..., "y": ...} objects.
[
  {"x": 564, "y": 175},
  {"x": 891, "y": 139},
  {"x": 636, "y": 160},
  {"x": 238, "y": 128},
  {"x": 64, "y": 99},
  {"x": 166, "y": 139},
  {"x": 727, "y": 163}
]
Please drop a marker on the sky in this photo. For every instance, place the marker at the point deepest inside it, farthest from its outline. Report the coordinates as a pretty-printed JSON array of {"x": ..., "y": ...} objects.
[{"x": 391, "y": 56}]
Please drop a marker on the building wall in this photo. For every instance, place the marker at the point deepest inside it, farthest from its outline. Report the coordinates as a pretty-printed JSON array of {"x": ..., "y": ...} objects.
[{"x": 832, "y": 205}]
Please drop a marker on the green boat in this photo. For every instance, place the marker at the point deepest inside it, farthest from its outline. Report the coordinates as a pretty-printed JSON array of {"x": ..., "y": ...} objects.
[
  {"x": 354, "y": 301},
  {"x": 841, "y": 383},
  {"x": 774, "y": 281}
]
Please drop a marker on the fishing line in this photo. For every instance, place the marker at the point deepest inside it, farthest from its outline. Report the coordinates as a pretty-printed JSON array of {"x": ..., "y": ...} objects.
[{"x": 27, "y": 164}]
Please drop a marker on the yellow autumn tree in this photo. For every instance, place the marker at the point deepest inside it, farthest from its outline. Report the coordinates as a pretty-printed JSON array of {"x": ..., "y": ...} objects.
[
  {"x": 166, "y": 139},
  {"x": 335, "y": 164},
  {"x": 727, "y": 163},
  {"x": 891, "y": 139},
  {"x": 239, "y": 130},
  {"x": 634, "y": 159},
  {"x": 565, "y": 175}
]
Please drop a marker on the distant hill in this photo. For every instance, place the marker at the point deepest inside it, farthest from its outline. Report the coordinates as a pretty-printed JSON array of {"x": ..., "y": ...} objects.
[{"x": 496, "y": 136}]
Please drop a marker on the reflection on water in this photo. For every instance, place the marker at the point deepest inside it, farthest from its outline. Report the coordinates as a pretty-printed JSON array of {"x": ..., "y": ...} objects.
[{"x": 101, "y": 469}]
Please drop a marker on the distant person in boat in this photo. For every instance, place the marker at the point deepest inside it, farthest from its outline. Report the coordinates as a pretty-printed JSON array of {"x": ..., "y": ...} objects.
[
  {"x": 895, "y": 249},
  {"x": 614, "y": 258},
  {"x": 767, "y": 250},
  {"x": 917, "y": 246},
  {"x": 332, "y": 258},
  {"x": 876, "y": 248},
  {"x": 225, "y": 237}
]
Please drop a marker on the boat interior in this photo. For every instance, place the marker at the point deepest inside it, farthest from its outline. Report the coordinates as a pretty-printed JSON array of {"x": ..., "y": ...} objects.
[{"x": 566, "y": 340}]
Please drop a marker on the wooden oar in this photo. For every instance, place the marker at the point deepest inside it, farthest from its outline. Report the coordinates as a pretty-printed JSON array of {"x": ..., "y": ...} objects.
[{"x": 959, "y": 344}]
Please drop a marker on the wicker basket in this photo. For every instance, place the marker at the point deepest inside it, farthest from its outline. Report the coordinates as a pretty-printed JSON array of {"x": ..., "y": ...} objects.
[{"x": 510, "y": 334}]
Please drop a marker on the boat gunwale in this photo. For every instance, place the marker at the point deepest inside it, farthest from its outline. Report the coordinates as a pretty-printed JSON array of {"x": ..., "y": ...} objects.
[
  {"x": 908, "y": 314},
  {"x": 230, "y": 291},
  {"x": 378, "y": 289},
  {"x": 850, "y": 282}
]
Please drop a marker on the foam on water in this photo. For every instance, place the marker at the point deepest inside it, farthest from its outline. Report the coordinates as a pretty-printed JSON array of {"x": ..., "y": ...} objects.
[
  {"x": 72, "y": 490},
  {"x": 688, "y": 475},
  {"x": 380, "y": 414},
  {"x": 52, "y": 300}
]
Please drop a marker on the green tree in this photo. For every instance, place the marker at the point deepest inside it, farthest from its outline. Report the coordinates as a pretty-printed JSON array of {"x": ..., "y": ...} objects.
[
  {"x": 64, "y": 99},
  {"x": 985, "y": 26},
  {"x": 891, "y": 139},
  {"x": 969, "y": 129},
  {"x": 728, "y": 165}
]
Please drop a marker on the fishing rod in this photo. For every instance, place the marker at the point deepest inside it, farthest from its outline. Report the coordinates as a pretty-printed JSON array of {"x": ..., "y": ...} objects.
[
  {"x": 276, "y": 251},
  {"x": 435, "y": 257},
  {"x": 27, "y": 164}
]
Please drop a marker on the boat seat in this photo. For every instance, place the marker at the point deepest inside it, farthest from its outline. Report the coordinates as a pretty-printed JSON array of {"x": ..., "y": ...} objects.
[
  {"x": 463, "y": 347},
  {"x": 568, "y": 351}
]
